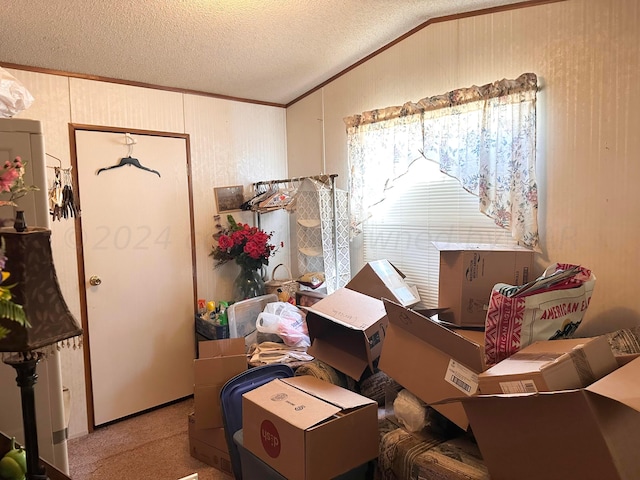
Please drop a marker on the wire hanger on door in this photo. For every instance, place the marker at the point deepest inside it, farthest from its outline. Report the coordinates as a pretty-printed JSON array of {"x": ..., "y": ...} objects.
[{"x": 128, "y": 160}]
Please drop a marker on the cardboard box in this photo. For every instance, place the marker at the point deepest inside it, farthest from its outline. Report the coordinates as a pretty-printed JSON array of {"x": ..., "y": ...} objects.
[
  {"x": 347, "y": 330},
  {"x": 468, "y": 272},
  {"x": 623, "y": 359},
  {"x": 209, "y": 445},
  {"x": 211, "y": 436},
  {"x": 551, "y": 365},
  {"x": 219, "y": 361},
  {"x": 587, "y": 434},
  {"x": 309, "y": 429},
  {"x": 432, "y": 361},
  {"x": 347, "y": 327},
  {"x": 211, "y": 456},
  {"x": 380, "y": 279}
]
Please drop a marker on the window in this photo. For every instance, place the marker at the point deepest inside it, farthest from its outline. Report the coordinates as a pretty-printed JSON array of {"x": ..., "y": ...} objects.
[{"x": 459, "y": 167}]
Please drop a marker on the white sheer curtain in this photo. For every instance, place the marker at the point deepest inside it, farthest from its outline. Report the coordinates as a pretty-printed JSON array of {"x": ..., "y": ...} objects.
[
  {"x": 378, "y": 153},
  {"x": 485, "y": 137}
]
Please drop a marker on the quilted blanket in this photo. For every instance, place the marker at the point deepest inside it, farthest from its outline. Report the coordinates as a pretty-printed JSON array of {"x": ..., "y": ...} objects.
[{"x": 427, "y": 455}]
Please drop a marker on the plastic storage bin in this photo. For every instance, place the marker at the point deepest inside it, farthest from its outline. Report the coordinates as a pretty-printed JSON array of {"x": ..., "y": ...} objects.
[
  {"x": 206, "y": 328},
  {"x": 231, "y": 403},
  {"x": 242, "y": 317},
  {"x": 254, "y": 468}
]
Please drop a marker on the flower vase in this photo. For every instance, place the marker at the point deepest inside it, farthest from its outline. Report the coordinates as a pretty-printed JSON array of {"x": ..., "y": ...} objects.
[
  {"x": 20, "y": 222},
  {"x": 248, "y": 284}
]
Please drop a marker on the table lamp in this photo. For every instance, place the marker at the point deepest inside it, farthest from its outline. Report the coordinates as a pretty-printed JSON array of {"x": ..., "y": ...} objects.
[{"x": 50, "y": 323}]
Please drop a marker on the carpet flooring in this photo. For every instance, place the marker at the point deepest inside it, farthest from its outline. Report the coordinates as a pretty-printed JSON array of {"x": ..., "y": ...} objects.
[{"x": 150, "y": 446}]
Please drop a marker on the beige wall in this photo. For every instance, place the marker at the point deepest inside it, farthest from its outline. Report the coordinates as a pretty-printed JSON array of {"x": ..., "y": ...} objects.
[
  {"x": 232, "y": 143},
  {"x": 587, "y": 57},
  {"x": 586, "y": 54}
]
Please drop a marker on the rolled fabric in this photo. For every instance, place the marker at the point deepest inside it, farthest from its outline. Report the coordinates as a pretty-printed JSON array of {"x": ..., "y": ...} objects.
[
  {"x": 410, "y": 411},
  {"x": 321, "y": 370}
]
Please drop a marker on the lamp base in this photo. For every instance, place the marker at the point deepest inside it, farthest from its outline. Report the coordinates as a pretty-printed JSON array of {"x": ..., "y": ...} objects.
[{"x": 25, "y": 366}]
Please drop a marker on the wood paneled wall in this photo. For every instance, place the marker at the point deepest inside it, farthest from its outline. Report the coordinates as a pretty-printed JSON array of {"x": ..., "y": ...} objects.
[
  {"x": 587, "y": 57},
  {"x": 232, "y": 143},
  {"x": 586, "y": 54}
]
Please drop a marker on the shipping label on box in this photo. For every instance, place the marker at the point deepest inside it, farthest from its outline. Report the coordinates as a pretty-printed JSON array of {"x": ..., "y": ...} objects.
[
  {"x": 461, "y": 377},
  {"x": 468, "y": 272},
  {"x": 347, "y": 331},
  {"x": 309, "y": 429},
  {"x": 432, "y": 361}
]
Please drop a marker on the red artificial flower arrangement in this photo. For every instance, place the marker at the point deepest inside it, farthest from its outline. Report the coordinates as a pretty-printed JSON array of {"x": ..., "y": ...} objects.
[{"x": 248, "y": 246}]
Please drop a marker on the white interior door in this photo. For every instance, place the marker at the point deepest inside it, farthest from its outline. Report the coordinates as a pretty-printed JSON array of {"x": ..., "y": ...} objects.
[{"x": 136, "y": 235}]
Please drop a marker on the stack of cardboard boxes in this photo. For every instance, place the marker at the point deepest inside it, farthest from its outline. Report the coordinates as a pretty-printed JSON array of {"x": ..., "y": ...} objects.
[
  {"x": 347, "y": 328},
  {"x": 576, "y": 414},
  {"x": 558, "y": 409},
  {"x": 218, "y": 361},
  {"x": 309, "y": 429}
]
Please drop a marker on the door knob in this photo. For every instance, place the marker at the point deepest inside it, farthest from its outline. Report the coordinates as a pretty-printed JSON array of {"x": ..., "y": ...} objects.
[{"x": 94, "y": 280}]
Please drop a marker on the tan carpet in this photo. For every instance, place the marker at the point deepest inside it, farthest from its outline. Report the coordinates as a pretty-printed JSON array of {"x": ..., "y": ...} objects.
[{"x": 151, "y": 446}]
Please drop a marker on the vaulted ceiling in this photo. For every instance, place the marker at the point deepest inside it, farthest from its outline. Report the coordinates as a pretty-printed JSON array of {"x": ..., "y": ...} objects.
[{"x": 271, "y": 51}]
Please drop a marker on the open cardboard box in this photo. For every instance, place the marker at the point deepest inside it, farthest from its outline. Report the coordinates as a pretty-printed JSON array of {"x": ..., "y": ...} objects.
[
  {"x": 309, "y": 429},
  {"x": 381, "y": 279},
  {"x": 347, "y": 330},
  {"x": 469, "y": 271},
  {"x": 549, "y": 365},
  {"x": 590, "y": 433},
  {"x": 432, "y": 361},
  {"x": 220, "y": 360}
]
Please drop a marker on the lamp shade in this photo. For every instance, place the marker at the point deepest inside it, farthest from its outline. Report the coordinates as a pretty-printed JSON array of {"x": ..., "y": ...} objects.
[{"x": 30, "y": 263}]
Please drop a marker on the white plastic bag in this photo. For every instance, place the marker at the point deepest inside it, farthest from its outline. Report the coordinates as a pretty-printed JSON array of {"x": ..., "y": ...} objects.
[
  {"x": 14, "y": 96},
  {"x": 285, "y": 320}
]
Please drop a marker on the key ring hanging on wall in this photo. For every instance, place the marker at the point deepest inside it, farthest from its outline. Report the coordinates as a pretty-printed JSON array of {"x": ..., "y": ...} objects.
[{"x": 62, "y": 201}]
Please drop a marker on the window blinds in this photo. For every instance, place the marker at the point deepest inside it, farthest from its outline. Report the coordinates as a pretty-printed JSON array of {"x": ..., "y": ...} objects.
[{"x": 423, "y": 206}]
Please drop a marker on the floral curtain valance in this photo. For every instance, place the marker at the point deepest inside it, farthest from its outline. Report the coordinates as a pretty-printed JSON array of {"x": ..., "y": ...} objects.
[{"x": 485, "y": 137}]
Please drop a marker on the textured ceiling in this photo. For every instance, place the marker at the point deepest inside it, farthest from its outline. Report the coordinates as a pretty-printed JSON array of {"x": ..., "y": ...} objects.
[{"x": 263, "y": 50}]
